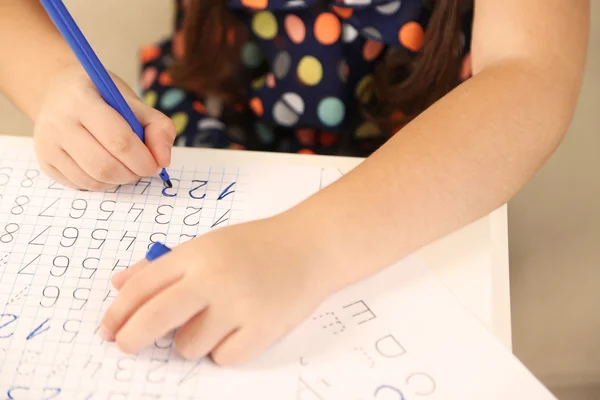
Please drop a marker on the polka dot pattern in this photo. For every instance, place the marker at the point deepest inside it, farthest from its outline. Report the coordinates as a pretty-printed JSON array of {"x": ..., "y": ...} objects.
[
  {"x": 264, "y": 25},
  {"x": 312, "y": 71}
]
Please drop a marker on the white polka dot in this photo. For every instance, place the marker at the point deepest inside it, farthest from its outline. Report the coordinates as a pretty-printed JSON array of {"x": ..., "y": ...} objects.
[
  {"x": 371, "y": 33},
  {"x": 287, "y": 111},
  {"x": 389, "y": 8},
  {"x": 180, "y": 142},
  {"x": 210, "y": 124},
  {"x": 357, "y": 2},
  {"x": 214, "y": 107},
  {"x": 295, "y": 4},
  {"x": 349, "y": 33},
  {"x": 282, "y": 64}
]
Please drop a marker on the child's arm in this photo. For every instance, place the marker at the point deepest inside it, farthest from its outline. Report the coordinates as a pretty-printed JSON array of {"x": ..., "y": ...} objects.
[
  {"x": 236, "y": 290},
  {"x": 80, "y": 141},
  {"x": 32, "y": 51},
  {"x": 470, "y": 152}
]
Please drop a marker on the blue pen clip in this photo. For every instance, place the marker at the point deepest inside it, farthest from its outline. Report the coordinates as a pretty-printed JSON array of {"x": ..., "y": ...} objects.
[{"x": 108, "y": 90}]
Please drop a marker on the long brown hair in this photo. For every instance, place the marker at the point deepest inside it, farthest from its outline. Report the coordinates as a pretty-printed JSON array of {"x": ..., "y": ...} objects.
[{"x": 403, "y": 85}]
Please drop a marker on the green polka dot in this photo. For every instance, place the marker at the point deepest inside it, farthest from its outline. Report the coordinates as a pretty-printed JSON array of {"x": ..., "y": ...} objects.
[
  {"x": 181, "y": 121},
  {"x": 172, "y": 98},
  {"x": 150, "y": 98},
  {"x": 331, "y": 111},
  {"x": 265, "y": 134},
  {"x": 252, "y": 55},
  {"x": 264, "y": 25}
]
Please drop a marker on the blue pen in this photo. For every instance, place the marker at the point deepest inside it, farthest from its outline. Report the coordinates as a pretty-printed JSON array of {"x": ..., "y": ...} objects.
[
  {"x": 156, "y": 250},
  {"x": 92, "y": 65}
]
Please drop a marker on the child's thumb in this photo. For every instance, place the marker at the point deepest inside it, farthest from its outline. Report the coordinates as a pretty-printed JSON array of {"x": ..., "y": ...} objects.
[{"x": 159, "y": 133}]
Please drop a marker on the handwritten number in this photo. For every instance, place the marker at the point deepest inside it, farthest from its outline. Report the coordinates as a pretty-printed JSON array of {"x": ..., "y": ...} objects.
[
  {"x": 201, "y": 184},
  {"x": 82, "y": 295},
  {"x": 87, "y": 269},
  {"x": 19, "y": 208},
  {"x": 222, "y": 219},
  {"x": 51, "y": 293},
  {"x": 170, "y": 192},
  {"x": 74, "y": 234},
  {"x": 30, "y": 175},
  {"x": 159, "y": 214},
  {"x": 188, "y": 221},
  {"x": 22, "y": 270},
  {"x": 5, "y": 321},
  {"x": 133, "y": 208},
  {"x": 78, "y": 209},
  {"x": 128, "y": 237},
  {"x": 60, "y": 265},
  {"x": 43, "y": 327},
  {"x": 99, "y": 236},
  {"x": 70, "y": 326},
  {"x": 105, "y": 207},
  {"x": 226, "y": 192},
  {"x": 184, "y": 238},
  {"x": 156, "y": 371},
  {"x": 33, "y": 241},
  {"x": 115, "y": 190},
  {"x": 143, "y": 182},
  {"x": 4, "y": 177},
  {"x": 153, "y": 240},
  {"x": 44, "y": 213},
  {"x": 10, "y": 230},
  {"x": 124, "y": 366}
]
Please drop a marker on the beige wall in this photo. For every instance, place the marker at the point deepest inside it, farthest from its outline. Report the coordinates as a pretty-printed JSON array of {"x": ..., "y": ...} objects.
[{"x": 554, "y": 223}]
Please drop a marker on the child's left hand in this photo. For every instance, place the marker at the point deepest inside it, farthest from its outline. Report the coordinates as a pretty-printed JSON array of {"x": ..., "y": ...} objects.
[{"x": 230, "y": 293}]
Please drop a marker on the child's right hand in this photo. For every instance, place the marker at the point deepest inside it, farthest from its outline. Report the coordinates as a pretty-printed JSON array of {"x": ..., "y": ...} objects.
[{"x": 82, "y": 143}]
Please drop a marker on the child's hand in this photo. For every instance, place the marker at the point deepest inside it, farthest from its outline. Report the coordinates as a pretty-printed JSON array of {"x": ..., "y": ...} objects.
[
  {"x": 81, "y": 142},
  {"x": 232, "y": 293}
]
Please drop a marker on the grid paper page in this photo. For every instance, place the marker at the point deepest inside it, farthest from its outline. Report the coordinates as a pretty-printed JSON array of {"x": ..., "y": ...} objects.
[{"x": 59, "y": 249}]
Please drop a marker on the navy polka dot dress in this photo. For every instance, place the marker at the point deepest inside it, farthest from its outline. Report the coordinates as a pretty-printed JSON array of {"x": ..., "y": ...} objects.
[{"x": 319, "y": 67}]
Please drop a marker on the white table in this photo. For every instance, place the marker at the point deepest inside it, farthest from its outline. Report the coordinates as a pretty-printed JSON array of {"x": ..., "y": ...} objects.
[{"x": 472, "y": 262}]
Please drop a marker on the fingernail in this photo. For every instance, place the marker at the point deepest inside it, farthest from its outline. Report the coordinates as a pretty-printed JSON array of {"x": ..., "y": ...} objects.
[{"x": 105, "y": 334}]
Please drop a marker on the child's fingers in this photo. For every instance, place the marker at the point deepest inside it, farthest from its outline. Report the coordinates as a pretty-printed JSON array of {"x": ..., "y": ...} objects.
[
  {"x": 160, "y": 132},
  {"x": 242, "y": 346},
  {"x": 122, "y": 277},
  {"x": 95, "y": 160},
  {"x": 113, "y": 132},
  {"x": 140, "y": 288},
  {"x": 55, "y": 174},
  {"x": 159, "y": 315},
  {"x": 73, "y": 173},
  {"x": 202, "y": 334}
]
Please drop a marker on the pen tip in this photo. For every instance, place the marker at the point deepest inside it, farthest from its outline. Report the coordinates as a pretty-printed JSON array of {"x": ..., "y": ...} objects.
[{"x": 168, "y": 184}]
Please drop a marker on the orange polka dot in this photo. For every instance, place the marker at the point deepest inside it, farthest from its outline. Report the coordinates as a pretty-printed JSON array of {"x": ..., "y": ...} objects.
[
  {"x": 306, "y": 136},
  {"x": 237, "y": 146},
  {"x": 270, "y": 81},
  {"x": 295, "y": 28},
  {"x": 178, "y": 45},
  {"x": 257, "y": 106},
  {"x": 411, "y": 36},
  {"x": 199, "y": 107},
  {"x": 327, "y": 28},
  {"x": 255, "y": 4},
  {"x": 372, "y": 49},
  {"x": 150, "y": 53},
  {"x": 398, "y": 115},
  {"x": 306, "y": 151},
  {"x": 328, "y": 139},
  {"x": 165, "y": 79},
  {"x": 343, "y": 12}
]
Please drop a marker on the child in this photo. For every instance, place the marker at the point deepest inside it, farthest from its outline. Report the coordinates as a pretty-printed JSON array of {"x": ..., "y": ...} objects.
[{"x": 387, "y": 79}]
